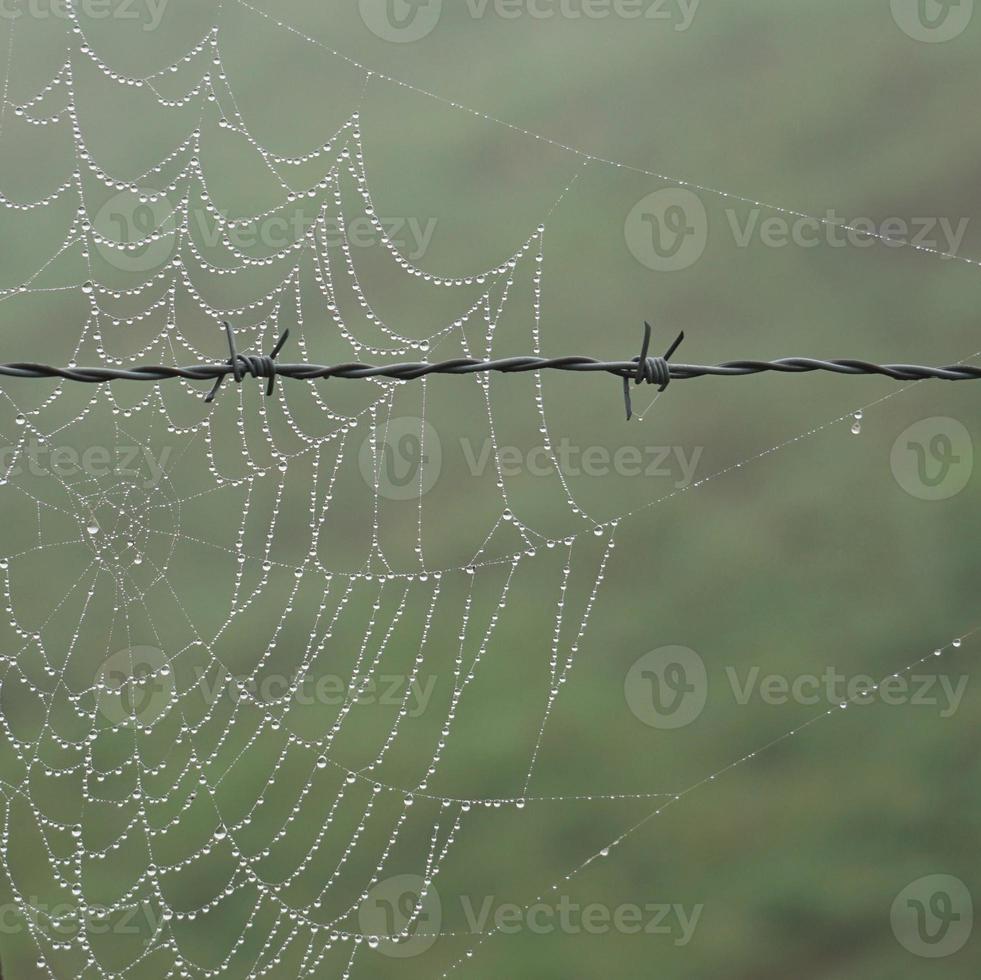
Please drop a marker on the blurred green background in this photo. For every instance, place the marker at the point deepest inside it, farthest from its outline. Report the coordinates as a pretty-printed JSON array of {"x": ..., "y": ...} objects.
[{"x": 807, "y": 547}]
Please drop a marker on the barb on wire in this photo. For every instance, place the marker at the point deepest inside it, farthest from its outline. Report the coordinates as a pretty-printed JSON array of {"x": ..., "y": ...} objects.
[
  {"x": 650, "y": 370},
  {"x": 642, "y": 369},
  {"x": 259, "y": 367}
]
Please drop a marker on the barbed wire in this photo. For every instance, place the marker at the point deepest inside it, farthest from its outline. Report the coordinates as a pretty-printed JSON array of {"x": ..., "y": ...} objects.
[{"x": 639, "y": 370}]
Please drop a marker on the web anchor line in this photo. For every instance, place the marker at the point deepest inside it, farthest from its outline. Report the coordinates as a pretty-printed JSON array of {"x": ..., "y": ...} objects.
[{"x": 641, "y": 370}]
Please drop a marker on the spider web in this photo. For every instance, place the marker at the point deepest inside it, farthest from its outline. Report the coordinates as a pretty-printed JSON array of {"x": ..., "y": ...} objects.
[
  {"x": 190, "y": 709},
  {"x": 186, "y": 750}
]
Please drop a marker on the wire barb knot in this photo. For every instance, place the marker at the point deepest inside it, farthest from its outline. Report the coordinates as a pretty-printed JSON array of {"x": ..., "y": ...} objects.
[
  {"x": 650, "y": 370},
  {"x": 254, "y": 365}
]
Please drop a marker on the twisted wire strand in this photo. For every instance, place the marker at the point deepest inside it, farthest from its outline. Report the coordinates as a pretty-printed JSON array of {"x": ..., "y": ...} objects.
[
  {"x": 643, "y": 369},
  {"x": 410, "y": 371}
]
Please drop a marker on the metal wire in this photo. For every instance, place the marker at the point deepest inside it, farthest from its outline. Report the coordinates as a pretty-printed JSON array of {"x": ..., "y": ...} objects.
[{"x": 640, "y": 370}]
